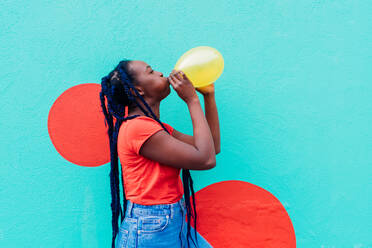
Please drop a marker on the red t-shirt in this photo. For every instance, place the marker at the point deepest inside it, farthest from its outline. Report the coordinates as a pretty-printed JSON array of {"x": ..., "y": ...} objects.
[{"x": 146, "y": 181}]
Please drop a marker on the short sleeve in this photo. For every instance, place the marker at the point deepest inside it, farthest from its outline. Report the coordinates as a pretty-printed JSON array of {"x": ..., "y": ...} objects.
[
  {"x": 141, "y": 129},
  {"x": 169, "y": 127}
]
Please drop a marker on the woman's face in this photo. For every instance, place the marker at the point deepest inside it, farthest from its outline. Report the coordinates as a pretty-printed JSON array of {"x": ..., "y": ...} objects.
[{"x": 150, "y": 83}]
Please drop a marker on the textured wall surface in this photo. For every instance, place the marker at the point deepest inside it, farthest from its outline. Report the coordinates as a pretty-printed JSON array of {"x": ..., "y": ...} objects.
[{"x": 294, "y": 102}]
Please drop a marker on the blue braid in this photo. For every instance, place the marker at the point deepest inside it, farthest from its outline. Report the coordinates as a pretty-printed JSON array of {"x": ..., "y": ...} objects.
[
  {"x": 113, "y": 134},
  {"x": 115, "y": 204}
]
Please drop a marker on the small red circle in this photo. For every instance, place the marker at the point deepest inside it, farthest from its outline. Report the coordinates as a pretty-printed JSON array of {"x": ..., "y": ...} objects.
[{"x": 76, "y": 126}]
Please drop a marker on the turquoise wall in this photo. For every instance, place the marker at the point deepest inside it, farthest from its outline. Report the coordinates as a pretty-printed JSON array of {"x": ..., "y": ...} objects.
[{"x": 294, "y": 102}]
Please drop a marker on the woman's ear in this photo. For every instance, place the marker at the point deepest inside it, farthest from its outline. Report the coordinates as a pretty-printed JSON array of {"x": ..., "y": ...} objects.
[{"x": 139, "y": 89}]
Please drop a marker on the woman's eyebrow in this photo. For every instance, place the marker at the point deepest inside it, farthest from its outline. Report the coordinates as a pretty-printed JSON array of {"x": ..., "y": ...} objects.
[{"x": 147, "y": 67}]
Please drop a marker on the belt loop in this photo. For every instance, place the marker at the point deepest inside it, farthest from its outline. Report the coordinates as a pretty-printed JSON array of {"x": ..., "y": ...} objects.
[
  {"x": 172, "y": 206},
  {"x": 129, "y": 208},
  {"x": 182, "y": 203}
]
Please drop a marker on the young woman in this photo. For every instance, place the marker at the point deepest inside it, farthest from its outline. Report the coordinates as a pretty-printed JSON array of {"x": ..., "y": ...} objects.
[{"x": 153, "y": 153}]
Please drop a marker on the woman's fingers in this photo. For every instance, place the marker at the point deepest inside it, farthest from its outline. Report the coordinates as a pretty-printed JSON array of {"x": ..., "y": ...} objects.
[
  {"x": 173, "y": 77},
  {"x": 179, "y": 75},
  {"x": 172, "y": 81},
  {"x": 184, "y": 76}
]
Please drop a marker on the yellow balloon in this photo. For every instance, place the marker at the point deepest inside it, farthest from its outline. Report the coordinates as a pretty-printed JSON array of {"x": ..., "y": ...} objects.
[{"x": 203, "y": 65}]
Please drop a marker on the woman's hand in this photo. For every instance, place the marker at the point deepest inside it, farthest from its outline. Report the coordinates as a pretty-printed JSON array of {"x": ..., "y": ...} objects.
[
  {"x": 182, "y": 85},
  {"x": 205, "y": 90}
]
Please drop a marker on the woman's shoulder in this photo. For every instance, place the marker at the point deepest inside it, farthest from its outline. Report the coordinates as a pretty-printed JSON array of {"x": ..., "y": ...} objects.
[
  {"x": 144, "y": 122},
  {"x": 141, "y": 119}
]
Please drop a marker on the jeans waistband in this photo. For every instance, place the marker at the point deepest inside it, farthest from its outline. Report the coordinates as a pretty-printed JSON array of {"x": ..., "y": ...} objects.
[{"x": 153, "y": 209}]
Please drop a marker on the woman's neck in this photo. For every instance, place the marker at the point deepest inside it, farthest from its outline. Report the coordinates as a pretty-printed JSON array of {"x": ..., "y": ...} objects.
[{"x": 137, "y": 111}]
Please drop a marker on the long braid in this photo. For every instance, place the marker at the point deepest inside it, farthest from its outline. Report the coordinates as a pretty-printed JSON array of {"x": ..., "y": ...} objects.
[
  {"x": 187, "y": 182},
  {"x": 110, "y": 89},
  {"x": 114, "y": 178},
  {"x": 116, "y": 87}
]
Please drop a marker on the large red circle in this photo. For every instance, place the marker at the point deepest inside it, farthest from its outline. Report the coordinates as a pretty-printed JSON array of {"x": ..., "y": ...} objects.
[{"x": 76, "y": 125}]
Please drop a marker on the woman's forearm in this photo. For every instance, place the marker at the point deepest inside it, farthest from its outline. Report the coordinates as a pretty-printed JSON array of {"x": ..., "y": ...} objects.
[
  {"x": 211, "y": 115},
  {"x": 203, "y": 139}
]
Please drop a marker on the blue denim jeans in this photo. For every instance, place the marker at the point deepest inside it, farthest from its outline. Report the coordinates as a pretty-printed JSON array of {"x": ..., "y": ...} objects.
[{"x": 155, "y": 226}]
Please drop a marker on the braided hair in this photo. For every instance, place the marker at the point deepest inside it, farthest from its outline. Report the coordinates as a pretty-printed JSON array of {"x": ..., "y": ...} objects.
[{"x": 116, "y": 87}]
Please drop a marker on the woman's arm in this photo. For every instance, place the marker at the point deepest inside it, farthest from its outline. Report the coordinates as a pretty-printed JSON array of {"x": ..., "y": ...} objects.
[
  {"x": 168, "y": 150},
  {"x": 189, "y": 139},
  {"x": 211, "y": 115}
]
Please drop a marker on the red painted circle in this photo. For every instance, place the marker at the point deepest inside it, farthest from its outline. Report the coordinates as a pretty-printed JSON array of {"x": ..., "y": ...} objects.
[
  {"x": 240, "y": 214},
  {"x": 76, "y": 125}
]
